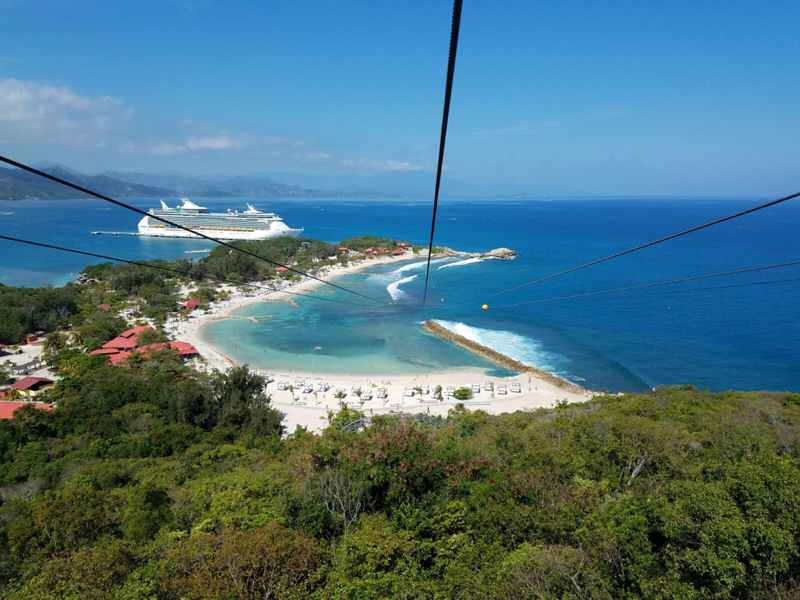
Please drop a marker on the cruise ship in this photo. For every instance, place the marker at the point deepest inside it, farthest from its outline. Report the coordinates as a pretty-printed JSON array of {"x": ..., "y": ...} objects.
[{"x": 250, "y": 224}]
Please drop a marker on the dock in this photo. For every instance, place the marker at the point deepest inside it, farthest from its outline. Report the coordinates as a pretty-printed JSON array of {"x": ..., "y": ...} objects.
[
  {"x": 133, "y": 233},
  {"x": 287, "y": 300},
  {"x": 252, "y": 319},
  {"x": 346, "y": 282}
]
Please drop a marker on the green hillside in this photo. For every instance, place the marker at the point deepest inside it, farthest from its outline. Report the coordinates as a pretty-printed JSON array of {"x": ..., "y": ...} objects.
[{"x": 157, "y": 482}]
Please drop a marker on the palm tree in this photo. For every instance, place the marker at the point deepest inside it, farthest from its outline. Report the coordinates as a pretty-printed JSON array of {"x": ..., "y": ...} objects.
[
  {"x": 5, "y": 372},
  {"x": 53, "y": 344}
]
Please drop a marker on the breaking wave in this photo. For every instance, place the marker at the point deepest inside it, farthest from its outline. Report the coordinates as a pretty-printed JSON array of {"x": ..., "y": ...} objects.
[
  {"x": 516, "y": 346},
  {"x": 468, "y": 261},
  {"x": 394, "y": 288},
  {"x": 417, "y": 265}
]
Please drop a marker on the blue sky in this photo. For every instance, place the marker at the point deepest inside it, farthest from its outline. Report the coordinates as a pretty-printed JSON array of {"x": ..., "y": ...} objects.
[{"x": 611, "y": 98}]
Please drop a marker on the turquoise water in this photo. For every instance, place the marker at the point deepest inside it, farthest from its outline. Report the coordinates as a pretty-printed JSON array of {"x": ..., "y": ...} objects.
[
  {"x": 743, "y": 338},
  {"x": 363, "y": 340}
]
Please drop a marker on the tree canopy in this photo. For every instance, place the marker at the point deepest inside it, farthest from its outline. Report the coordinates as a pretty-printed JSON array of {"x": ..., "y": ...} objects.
[{"x": 160, "y": 482}]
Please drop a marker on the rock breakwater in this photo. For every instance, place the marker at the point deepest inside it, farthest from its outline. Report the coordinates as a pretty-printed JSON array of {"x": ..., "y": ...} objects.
[
  {"x": 445, "y": 252},
  {"x": 501, "y": 359}
]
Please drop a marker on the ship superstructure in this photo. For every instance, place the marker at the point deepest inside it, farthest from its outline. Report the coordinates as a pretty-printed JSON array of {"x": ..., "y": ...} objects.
[{"x": 250, "y": 224}]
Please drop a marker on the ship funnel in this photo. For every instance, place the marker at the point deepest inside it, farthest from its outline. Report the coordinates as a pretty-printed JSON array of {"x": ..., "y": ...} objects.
[{"x": 164, "y": 205}]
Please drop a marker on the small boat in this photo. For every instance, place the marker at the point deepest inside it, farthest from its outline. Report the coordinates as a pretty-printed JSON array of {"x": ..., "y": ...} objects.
[{"x": 317, "y": 348}]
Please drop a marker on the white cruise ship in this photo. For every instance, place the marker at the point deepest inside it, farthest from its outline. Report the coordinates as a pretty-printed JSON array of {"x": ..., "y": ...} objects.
[{"x": 251, "y": 224}]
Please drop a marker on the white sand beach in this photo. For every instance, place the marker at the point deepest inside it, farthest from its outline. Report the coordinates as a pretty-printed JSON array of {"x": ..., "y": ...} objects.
[{"x": 309, "y": 409}]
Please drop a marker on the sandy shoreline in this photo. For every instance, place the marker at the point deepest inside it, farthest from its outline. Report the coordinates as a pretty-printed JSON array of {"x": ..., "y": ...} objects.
[{"x": 310, "y": 410}]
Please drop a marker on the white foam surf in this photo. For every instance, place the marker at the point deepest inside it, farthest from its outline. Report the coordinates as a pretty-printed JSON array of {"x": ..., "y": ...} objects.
[
  {"x": 518, "y": 347},
  {"x": 394, "y": 288},
  {"x": 468, "y": 261},
  {"x": 417, "y": 265}
]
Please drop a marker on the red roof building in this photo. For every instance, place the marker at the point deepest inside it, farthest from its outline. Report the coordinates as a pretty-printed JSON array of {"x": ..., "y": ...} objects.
[
  {"x": 134, "y": 333},
  {"x": 120, "y": 343},
  {"x": 104, "y": 307},
  {"x": 398, "y": 251},
  {"x": 121, "y": 347},
  {"x": 282, "y": 269},
  {"x": 31, "y": 383},
  {"x": 369, "y": 249},
  {"x": 7, "y": 408},
  {"x": 193, "y": 303},
  {"x": 184, "y": 348},
  {"x": 33, "y": 386},
  {"x": 127, "y": 340},
  {"x": 404, "y": 244},
  {"x": 117, "y": 358}
]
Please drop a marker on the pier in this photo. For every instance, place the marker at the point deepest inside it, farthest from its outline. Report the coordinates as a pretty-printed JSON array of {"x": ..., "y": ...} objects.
[
  {"x": 346, "y": 282},
  {"x": 252, "y": 319},
  {"x": 133, "y": 233},
  {"x": 287, "y": 300}
]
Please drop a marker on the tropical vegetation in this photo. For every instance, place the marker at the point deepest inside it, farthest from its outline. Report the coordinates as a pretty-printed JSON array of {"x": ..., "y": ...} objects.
[{"x": 159, "y": 482}]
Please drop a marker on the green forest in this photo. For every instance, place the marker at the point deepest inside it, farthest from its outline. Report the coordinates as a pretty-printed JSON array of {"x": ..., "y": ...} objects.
[
  {"x": 152, "y": 293},
  {"x": 159, "y": 482}
]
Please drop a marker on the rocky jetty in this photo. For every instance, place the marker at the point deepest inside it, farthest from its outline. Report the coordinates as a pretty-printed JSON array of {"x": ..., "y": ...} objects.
[
  {"x": 503, "y": 360},
  {"x": 445, "y": 252}
]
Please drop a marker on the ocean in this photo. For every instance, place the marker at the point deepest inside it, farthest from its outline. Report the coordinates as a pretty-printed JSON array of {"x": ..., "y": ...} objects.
[{"x": 737, "y": 338}]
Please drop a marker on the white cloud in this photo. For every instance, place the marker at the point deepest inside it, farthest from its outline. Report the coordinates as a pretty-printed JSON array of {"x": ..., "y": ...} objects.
[
  {"x": 223, "y": 141},
  {"x": 391, "y": 165},
  {"x": 32, "y": 111},
  {"x": 382, "y": 165},
  {"x": 220, "y": 141},
  {"x": 48, "y": 115},
  {"x": 166, "y": 149},
  {"x": 312, "y": 157}
]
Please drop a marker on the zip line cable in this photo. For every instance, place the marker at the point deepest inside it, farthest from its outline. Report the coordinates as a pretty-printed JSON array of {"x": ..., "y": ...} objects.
[
  {"x": 156, "y": 217},
  {"x": 160, "y": 268},
  {"x": 718, "y": 287},
  {"x": 448, "y": 90},
  {"x": 647, "y": 285},
  {"x": 635, "y": 249}
]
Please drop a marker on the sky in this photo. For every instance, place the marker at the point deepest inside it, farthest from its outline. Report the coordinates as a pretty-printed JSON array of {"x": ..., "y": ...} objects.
[{"x": 611, "y": 98}]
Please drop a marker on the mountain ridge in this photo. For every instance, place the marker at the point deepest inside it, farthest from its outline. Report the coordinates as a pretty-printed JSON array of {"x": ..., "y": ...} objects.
[{"x": 19, "y": 185}]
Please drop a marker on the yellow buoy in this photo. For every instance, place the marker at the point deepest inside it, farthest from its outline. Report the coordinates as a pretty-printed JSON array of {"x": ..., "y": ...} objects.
[
  {"x": 485, "y": 306},
  {"x": 442, "y": 299}
]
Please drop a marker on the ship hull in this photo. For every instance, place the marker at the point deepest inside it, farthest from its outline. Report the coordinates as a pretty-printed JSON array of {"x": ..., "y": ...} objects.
[{"x": 260, "y": 234}]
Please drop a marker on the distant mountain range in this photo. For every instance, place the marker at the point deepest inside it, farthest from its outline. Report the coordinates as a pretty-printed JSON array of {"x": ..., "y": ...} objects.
[{"x": 20, "y": 185}]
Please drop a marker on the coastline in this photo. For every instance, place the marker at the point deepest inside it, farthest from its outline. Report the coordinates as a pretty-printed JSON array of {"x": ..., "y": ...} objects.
[
  {"x": 501, "y": 359},
  {"x": 538, "y": 388}
]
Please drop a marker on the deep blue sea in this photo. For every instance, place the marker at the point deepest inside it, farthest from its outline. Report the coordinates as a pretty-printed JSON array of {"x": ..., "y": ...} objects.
[{"x": 736, "y": 338}]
